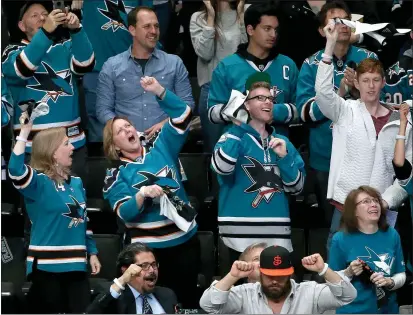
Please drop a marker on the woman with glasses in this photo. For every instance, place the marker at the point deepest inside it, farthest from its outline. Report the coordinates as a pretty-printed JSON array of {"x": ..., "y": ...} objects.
[
  {"x": 257, "y": 170},
  {"x": 369, "y": 252},
  {"x": 142, "y": 174}
]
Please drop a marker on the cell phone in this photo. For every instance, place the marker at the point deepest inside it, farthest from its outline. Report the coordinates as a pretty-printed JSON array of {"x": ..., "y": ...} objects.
[{"x": 59, "y": 4}]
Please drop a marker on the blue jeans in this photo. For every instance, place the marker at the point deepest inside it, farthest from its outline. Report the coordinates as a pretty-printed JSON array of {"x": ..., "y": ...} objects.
[
  {"x": 335, "y": 225},
  {"x": 211, "y": 132},
  {"x": 94, "y": 126},
  {"x": 163, "y": 12}
]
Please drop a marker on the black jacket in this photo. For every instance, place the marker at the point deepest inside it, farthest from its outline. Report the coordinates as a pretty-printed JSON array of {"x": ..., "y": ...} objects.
[{"x": 104, "y": 303}]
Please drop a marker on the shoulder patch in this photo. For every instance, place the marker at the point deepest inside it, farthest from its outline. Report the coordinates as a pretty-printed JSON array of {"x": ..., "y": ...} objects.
[
  {"x": 9, "y": 49},
  {"x": 223, "y": 138}
]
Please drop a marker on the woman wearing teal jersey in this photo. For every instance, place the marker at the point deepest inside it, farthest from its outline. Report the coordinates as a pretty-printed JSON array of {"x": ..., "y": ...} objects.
[
  {"x": 60, "y": 242},
  {"x": 371, "y": 252}
]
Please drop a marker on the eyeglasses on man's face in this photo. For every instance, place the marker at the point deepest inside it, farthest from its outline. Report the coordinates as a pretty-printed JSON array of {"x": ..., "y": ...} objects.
[
  {"x": 145, "y": 266},
  {"x": 262, "y": 98}
]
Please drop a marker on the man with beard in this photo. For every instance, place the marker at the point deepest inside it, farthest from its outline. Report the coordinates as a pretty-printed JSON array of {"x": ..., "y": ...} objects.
[
  {"x": 277, "y": 293},
  {"x": 135, "y": 291}
]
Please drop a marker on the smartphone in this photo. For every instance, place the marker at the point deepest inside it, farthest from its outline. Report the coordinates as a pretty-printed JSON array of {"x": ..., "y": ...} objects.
[{"x": 59, "y": 4}]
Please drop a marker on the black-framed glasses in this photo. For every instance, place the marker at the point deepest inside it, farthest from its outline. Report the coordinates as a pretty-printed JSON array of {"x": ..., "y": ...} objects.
[
  {"x": 262, "y": 98},
  {"x": 145, "y": 266},
  {"x": 368, "y": 201}
]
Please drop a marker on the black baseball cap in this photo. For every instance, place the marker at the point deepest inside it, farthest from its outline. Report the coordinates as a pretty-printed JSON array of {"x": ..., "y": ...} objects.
[
  {"x": 275, "y": 261},
  {"x": 46, "y": 4}
]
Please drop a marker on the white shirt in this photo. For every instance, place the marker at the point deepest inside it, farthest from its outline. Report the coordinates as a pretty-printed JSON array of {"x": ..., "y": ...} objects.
[{"x": 153, "y": 302}]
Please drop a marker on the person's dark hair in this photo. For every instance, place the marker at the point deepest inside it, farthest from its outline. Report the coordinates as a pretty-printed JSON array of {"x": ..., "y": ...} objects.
[
  {"x": 133, "y": 15},
  {"x": 349, "y": 221},
  {"x": 336, "y": 4},
  {"x": 127, "y": 255},
  {"x": 253, "y": 14}
]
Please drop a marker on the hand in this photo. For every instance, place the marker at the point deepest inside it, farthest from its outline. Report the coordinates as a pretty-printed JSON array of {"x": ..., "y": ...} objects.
[
  {"x": 149, "y": 133},
  {"x": 130, "y": 273},
  {"x": 150, "y": 84},
  {"x": 355, "y": 268},
  {"x": 72, "y": 21},
  {"x": 354, "y": 38},
  {"x": 25, "y": 128},
  {"x": 94, "y": 264},
  {"x": 240, "y": 10},
  {"x": 404, "y": 111},
  {"x": 331, "y": 32},
  {"x": 380, "y": 281},
  {"x": 210, "y": 9},
  {"x": 77, "y": 5},
  {"x": 53, "y": 20},
  {"x": 385, "y": 204},
  {"x": 152, "y": 191},
  {"x": 349, "y": 77},
  {"x": 241, "y": 269},
  {"x": 313, "y": 263},
  {"x": 278, "y": 146}
]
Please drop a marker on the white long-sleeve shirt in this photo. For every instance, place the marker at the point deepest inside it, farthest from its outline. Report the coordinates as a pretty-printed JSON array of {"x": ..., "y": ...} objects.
[{"x": 358, "y": 157}]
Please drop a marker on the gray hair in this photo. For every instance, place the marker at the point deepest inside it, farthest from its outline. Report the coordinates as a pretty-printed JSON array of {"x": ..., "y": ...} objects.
[{"x": 250, "y": 248}]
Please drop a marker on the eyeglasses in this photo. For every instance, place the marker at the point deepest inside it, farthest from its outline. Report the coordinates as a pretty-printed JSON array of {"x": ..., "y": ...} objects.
[
  {"x": 368, "y": 201},
  {"x": 145, "y": 266},
  {"x": 262, "y": 98}
]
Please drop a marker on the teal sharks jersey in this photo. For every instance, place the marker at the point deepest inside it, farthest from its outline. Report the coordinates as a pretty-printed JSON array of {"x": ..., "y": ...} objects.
[
  {"x": 59, "y": 239},
  {"x": 158, "y": 165},
  {"x": 43, "y": 70},
  {"x": 321, "y": 136},
  {"x": 399, "y": 81},
  {"x": 232, "y": 73},
  {"x": 105, "y": 22},
  {"x": 254, "y": 188}
]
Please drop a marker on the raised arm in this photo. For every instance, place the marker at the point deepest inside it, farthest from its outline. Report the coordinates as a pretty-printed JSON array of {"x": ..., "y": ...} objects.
[
  {"x": 83, "y": 58},
  {"x": 21, "y": 62},
  {"x": 174, "y": 133},
  {"x": 202, "y": 32},
  {"x": 222, "y": 297},
  {"x": 331, "y": 105},
  {"x": 337, "y": 291},
  {"x": 24, "y": 177}
]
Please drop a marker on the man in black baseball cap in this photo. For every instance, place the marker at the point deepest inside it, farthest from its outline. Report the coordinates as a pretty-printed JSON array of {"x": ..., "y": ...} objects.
[{"x": 282, "y": 294}]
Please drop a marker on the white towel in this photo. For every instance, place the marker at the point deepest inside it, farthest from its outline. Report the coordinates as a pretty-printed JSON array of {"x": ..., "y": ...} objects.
[{"x": 169, "y": 211}]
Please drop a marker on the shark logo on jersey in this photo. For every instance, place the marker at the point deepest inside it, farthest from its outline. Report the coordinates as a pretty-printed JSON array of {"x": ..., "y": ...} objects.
[
  {"x": 165, "y": 178},
  {"x": 312, "y": 60},
  {"x": 369, "y": 54},
  {"x": 117, "y": 15},
  {"x": 395, "y": 70},
  {"x": 76, "y": 212},
  {"x": 54, "y": 84},
  {"x": 381, "y": 263},
  {"x": 265, "y": 180},
  {"x": 275, "y": 91}
]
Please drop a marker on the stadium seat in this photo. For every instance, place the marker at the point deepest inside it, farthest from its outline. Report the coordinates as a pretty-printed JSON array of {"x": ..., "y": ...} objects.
[
  {"x": 317, "y": 241},
  {"x": 96, "y": 175},
  {"x": 202, "y": 185},
  {"x": 208, "y": 262},
  {"x": 109, "y": 246},
  {"x": 13, "y": 273}
]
